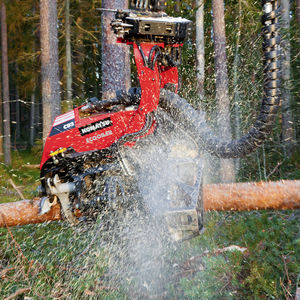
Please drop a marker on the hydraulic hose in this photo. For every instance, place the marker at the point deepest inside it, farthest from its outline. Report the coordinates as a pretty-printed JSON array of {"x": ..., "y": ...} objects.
[{"x": 195, "y": 122}]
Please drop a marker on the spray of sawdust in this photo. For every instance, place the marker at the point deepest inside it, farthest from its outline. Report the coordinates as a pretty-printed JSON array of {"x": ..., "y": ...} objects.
[{"x": 136, "y": 238}]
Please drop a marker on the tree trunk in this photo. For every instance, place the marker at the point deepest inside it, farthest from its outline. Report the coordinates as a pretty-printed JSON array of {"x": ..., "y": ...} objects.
[
  {"x": 38, "y": 111},
  {"x": 227, "y": 170},
  {"x": 287, "y": 118},
  {"x": 5, "y": 86},
  {"x": 298, "y": 17},
  {"x": 200, "y": 48},
  {"x": 115, "y": 57},
  {"x": 68, "y": 57},
  {"x": 50, "y": 68},
  {"x": 236, "y": 92},
  {"x": 33, "y": 110},
  {"x": 1, "y": 122},
  {"x": 177, "y": 6},
  {"x": 17, "y": 118},
  {"x": 32, "y": 118}
]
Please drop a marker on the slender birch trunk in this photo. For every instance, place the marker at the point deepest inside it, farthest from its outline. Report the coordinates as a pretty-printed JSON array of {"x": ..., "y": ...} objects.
[
  {"x": 227, "y": 169},
  {"x": 5, "y": 86}
]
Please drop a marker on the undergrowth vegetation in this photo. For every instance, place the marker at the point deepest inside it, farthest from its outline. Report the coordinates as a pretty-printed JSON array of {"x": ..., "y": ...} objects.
[{"x": 45, "y": 262}]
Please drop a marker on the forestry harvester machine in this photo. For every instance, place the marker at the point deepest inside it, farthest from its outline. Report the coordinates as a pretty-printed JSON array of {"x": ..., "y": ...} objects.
[{"x": 146, "y": 144}]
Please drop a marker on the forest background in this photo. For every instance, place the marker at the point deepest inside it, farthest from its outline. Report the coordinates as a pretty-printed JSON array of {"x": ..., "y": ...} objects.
[{"x": 271, "y": 269}]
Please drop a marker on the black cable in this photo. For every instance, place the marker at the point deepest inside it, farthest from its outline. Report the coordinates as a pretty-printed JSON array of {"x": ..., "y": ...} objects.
[
  {"x": 192, "y": 121},
  {"x": 143, "y": 54},
  {"x": 153, "y": 49},
  {"x": 156, "y": 56}
]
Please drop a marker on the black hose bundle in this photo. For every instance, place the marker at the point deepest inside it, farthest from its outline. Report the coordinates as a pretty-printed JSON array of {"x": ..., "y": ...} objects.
[{"x": 195, "y": 122}]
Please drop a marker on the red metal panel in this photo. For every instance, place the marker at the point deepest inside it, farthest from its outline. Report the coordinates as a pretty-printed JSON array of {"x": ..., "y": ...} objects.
[{"x": 67, "y": 129}]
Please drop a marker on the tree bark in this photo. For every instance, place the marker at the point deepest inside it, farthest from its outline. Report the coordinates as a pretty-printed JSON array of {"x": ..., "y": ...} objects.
[
  {"x": 227, "y": 170},
  {"x": 32, "y": 118},
  {"x": 177, "y": 6},
  {"x": 200, "y": 48},
  {"x": 115, "y": 57},
  {"x": 79, "y": 76},
  {"x": 33, "y": 111},
  {"x": 252, "y": 195},
  {"x": 1, "y": 121},
  {"x": 287, "y": 118},
  {"x": 5, "y": 87},
  {"x": 68, "y": 56},
  {"x": 17, "y": 119},
  {"x": 236, "y": 91},
  {"x": 50, "y": 67},
  {"x": 298, "y": 17}
]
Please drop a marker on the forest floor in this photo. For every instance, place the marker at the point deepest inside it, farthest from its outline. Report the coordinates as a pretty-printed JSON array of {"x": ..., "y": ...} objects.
[{"x": 36, "y": 260}]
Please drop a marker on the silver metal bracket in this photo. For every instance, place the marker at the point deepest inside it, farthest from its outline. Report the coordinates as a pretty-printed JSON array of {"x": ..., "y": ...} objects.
[{"x": 62, "y": 191}]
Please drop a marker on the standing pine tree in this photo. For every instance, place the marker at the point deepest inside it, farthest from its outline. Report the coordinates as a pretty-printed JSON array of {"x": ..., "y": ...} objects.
[
  {"x": 287, "y": 118},
  {"x": 5, "y": 87},
  {"x": 68, "y": 55},
  {"x": 1, "y": 122},
  {"x": 50, "y": 68},
  {"x": 227, "y": 170},
  {"x": 298, "y": 16},
  {"x": 200, "y": 48},
  {"x": 115, "y": 57}
]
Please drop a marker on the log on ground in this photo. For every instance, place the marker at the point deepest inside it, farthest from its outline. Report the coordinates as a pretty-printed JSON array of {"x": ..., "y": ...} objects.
[
  {"x": 26, "y": 212},
  {"x": 219, "y": 197},
  {"x": 284, "y": 194}
]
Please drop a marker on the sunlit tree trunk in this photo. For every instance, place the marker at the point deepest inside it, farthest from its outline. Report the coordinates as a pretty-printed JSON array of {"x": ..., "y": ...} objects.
[
  {"x": 115, "y": 57},
  {"x": 287, "y": 118},
  {"x": 5, "y": 87},
  {"x": 50, "y": 68},
  {"x": 200, "y": 48},
  {"x": 68, "y": 56},
  {"x": 227, "y": 169}
]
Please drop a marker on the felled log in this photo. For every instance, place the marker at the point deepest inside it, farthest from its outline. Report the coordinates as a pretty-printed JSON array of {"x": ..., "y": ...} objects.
[
  {"x": 220, "y": 197},
  {"x": 278, "y": 195},
  {"x": 26, "y": 212}
]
